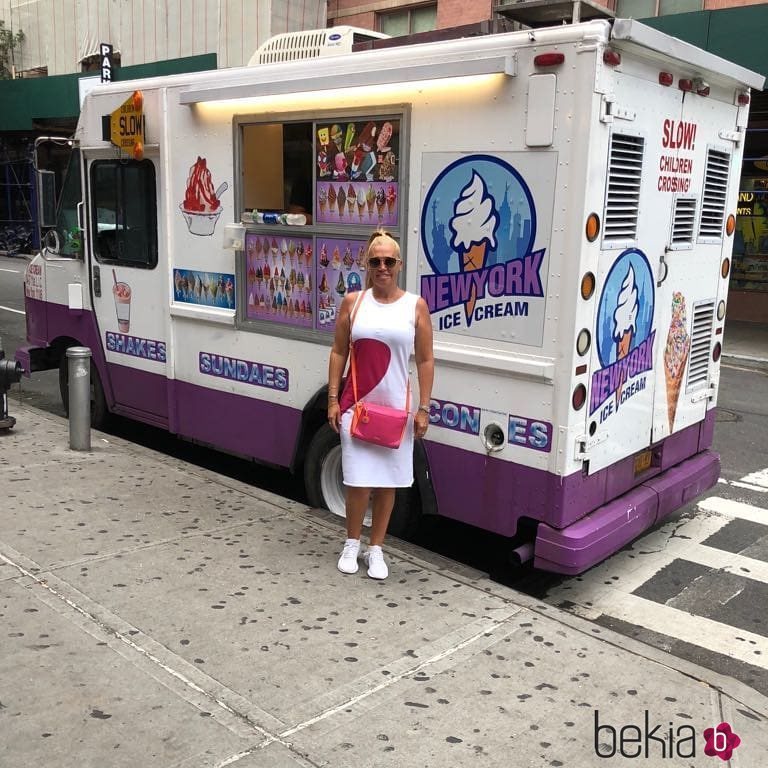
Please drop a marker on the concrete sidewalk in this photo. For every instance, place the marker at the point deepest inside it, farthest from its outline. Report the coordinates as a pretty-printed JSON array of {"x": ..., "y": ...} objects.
[{"x": 155, "y": 614}]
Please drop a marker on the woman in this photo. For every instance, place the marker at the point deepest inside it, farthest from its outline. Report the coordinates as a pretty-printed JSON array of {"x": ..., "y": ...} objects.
[{"x": 388, "y": 326}]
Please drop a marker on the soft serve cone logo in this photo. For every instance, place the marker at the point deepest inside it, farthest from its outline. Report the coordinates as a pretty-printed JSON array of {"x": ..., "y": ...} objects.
[
  {"x": 474, "y": 227},
  {"x": 624, "y": 322},
  {"x": 624, "y": 333},
  {"x": 478, "y": 227}
]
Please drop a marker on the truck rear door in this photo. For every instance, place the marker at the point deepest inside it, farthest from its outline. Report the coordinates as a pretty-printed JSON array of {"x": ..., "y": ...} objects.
[{"x": 697, "y": 172}]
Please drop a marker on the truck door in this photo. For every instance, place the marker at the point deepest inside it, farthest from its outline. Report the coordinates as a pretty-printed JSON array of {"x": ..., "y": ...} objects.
[
  {"x": 625, "y": 354},
  {"x": 128, "y": 287},
  {"x": 697, "y": 171}
]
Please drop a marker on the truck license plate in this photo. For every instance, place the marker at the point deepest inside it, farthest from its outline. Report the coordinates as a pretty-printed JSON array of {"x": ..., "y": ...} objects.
[{"x": 642, "y": 461}]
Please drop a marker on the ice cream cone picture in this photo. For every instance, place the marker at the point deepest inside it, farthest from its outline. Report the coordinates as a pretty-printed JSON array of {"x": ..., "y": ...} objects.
[
  {"x": 676, "y": 355},
  {"x": 625, "y": 323},
  {"x": 474, "y": 226}
]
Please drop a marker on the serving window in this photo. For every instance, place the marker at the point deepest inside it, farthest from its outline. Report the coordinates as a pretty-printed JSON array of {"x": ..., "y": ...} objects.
[{"x": 312, "y": 193}]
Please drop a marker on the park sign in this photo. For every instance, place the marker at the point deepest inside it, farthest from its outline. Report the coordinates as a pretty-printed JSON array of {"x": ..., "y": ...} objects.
[{"x": 126, "y": 125}]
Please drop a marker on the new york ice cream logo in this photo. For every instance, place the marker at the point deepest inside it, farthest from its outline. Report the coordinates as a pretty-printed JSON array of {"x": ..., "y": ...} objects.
[
  {"x": 624, "y": 333},
  {"x": 478, "y": 225}
]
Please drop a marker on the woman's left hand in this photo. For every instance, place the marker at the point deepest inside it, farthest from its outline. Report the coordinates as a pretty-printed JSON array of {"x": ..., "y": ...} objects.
[{"x": 420, "y": 423}]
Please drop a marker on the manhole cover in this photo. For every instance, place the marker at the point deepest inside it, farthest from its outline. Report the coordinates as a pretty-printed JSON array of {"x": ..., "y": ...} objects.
[{"x": 725, "y": 415}]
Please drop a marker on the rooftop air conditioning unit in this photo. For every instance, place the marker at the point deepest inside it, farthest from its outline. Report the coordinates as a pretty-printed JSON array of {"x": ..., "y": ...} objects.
[{"x": 312, "y": 44}]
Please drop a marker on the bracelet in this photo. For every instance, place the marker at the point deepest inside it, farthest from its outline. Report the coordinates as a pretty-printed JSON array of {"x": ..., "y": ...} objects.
[
  {"x": 424, "y": 408},
  {"x": 333, "y": 397}
]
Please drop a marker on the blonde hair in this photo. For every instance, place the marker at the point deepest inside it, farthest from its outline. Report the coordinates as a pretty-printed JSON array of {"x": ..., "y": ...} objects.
[{"x": 378, "y": 238}]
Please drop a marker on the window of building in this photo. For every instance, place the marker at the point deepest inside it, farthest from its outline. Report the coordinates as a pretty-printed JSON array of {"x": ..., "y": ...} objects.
[
  {"x": 644, "y": 9},
  {"x": 124, "y": 212},
  {"x": 408, "y": 21}
]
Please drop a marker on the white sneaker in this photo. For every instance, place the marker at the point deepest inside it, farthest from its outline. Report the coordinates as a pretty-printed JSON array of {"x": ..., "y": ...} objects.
[
  {"x": 348, "y": 560},
  {"x": 374, "y": 559}
]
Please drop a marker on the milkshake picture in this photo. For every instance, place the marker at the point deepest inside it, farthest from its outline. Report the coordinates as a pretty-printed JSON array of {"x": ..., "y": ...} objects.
[
  {"x": 624, "y": 321},
  {"x": 122, "y": 294},
  {"x": 474, "y": 226}
]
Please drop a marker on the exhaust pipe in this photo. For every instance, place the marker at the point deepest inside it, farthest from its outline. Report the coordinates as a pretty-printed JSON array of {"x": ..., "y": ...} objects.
[{"x": 522, "y": 554}]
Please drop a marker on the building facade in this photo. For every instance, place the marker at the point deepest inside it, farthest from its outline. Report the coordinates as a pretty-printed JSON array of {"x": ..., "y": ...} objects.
[{"x": 60, "y": 54}]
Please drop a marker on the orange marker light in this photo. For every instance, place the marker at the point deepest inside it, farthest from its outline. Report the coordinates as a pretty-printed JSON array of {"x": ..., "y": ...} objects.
[
  {"x": 592, "y": 228},
  {"x": 138, "y": 100},
  {"x": 138, "y": 150},
  {"x": 587, "y": 286},
  {"x": 725, "y": 268},
  {"x": 730, "y": 224}
]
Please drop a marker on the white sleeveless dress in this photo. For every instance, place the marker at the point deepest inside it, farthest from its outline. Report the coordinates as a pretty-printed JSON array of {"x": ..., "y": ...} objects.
[{"x": 383, "y": 335}]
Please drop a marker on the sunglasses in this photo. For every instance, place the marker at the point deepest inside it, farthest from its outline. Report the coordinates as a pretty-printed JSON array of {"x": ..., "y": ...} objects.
[{"x": 389, "y": 262}]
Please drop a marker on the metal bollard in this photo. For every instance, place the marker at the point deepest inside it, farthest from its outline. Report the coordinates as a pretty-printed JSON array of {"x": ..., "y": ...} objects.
[{"x": 79, "y": 370}]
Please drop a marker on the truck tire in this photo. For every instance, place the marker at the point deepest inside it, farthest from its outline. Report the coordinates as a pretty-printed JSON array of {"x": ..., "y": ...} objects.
[
  {"x": 325, "y": 488},
  {"x": 99, "y": 411}
]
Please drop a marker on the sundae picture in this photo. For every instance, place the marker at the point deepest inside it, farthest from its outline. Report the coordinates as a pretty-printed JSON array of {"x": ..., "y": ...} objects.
[
  {"x": 202, "y": 204},
  {"x": 676, "y": 355},
  {"x": 474, "y": 226},
  {"x": 625, "y": 320}
]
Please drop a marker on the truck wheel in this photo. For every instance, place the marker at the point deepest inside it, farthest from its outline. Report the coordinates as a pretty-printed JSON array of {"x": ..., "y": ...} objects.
[
  {"x": 325, "y": 488},
  {"x": 99, "y": 412},
  {"x": 322, "y": 472}
]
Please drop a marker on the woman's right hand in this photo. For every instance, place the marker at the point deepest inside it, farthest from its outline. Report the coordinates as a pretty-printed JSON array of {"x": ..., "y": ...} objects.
[{"x": 334, "y": 416}]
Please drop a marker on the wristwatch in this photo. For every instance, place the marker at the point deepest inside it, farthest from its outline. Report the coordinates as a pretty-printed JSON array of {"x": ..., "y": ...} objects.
[{"x": 424, "y": 408}]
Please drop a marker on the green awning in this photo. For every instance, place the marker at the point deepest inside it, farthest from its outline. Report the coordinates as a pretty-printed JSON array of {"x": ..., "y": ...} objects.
[
  {"x": 736, "y": 34},
  {"x": 26, "y": 102}
]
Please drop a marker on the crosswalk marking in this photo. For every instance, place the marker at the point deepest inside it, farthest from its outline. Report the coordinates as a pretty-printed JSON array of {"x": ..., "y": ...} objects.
[
  {"x": 739, "y": 484},
  {"x": 759, "y": 478},
  {"x": 734, "y": 509},
  {"x": 607, "y": 589},
  {"x": 696, "y": 630}
]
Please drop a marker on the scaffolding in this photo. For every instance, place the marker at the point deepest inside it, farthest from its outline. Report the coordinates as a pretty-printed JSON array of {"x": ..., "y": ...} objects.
[{"x": 18, "y": 200}]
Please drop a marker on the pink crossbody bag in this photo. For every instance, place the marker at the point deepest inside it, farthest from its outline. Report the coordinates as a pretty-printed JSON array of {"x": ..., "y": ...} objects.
[{"x": 371, "y": 423}]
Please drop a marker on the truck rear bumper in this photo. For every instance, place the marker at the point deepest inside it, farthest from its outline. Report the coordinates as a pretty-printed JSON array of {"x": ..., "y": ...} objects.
[{"x": 600, "y": 533}]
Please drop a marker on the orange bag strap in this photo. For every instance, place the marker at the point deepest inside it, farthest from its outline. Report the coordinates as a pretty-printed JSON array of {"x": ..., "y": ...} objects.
[{"x": 353, "y": 367}]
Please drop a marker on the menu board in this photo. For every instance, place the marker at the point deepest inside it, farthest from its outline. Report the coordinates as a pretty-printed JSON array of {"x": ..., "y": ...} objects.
[
  {"x": 280, "y": 278},
  {"x": 357, "y": 172},
  {"x": 341, "y": 270},
  {"x": 292, "y": 282}
]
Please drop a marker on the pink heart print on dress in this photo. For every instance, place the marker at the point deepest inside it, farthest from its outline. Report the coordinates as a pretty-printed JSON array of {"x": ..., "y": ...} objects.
[{"x": 376, "y": 355}]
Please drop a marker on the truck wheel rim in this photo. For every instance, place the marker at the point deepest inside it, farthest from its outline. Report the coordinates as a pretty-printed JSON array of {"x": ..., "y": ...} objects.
[
  {"x": 332, "y": 485},
  {"x": 331, "y": 482}
]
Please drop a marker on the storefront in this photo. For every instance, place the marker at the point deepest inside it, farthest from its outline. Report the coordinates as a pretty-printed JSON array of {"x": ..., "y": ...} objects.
[{"x": 749, "y": 279}]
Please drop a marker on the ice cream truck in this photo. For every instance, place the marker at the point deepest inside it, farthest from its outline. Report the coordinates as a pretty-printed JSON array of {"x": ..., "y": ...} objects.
[{"x": 564, "y": 200}]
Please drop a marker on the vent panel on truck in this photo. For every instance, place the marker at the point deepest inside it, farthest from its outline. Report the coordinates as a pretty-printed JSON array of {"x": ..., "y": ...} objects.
[
  {"x": 715, "y": 194},
  {"x": 701, "y": 336},
  {"x": 683, "y": 222},
  {"x": 622, "y": 198}
]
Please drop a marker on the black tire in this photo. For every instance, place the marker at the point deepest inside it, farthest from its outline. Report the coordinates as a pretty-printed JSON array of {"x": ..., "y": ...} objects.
[
  {"x": 99, "y": 410},
  {"x": 325, "y": 488}
]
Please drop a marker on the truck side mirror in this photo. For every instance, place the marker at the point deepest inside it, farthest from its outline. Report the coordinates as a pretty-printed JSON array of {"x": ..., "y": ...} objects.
[{"x": 52, "y": 241}]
